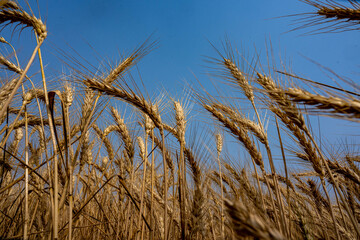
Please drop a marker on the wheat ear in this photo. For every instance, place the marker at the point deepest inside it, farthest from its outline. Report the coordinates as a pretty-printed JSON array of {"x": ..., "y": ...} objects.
[
  {"x": 22, "y": 17},
  {"x": 8, "y": 4},
  {"x": 132, "y": 98},
  {"x": 239, "y": 78},
  {"x": 347, "y": 14},
  {"x": 338, "y": 17},
  {"x": 125, "y": 135},
  {"x": 245, "y": 223},
  {"x": 344, "y": 107}
]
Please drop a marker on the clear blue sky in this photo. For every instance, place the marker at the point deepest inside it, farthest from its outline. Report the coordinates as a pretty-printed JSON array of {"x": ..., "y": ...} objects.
[{"x": 183, "y": 29}]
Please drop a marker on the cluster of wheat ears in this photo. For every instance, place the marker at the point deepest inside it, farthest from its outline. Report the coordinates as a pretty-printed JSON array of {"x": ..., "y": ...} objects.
[{"x": 79, "y": 168}]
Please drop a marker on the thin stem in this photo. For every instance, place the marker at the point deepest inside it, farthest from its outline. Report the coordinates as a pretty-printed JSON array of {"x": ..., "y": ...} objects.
[
  {"x": 51, "y": 126},
  {"x": 286, "y": 175},
  {"x": 152, "y": 189},
  {"x": 70, "y": 166},
  {"x": 26, "y": 222},
  {"x": 182, "y": 191},
  {"x": 143, "y": 186},
  {"x": 222, "y": 198},
  {"x": 259, "y": 186},
  {"x": 165, "y": 182},
  {"x": 331, "y": 208}
]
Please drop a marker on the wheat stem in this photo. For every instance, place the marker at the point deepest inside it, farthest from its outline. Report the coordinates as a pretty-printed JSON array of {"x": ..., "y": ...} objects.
[
  {"x": 287, "y": 177},
  {"x": 219, "y": 144},
  {"x": 26, "y": 220},
  {"x": 55, "y": 163}
]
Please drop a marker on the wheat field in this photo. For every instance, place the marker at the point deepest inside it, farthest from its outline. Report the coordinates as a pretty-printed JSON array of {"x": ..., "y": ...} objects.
[{"x": 95, "y": 157}]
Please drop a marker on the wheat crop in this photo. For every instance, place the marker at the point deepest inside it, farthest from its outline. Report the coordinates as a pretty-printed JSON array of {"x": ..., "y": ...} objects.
[{"x": 97, "y": 158}]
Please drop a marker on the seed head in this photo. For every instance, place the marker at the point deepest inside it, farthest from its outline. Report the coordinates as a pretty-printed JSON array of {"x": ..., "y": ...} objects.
[
  {"x": 149, "y": 124},
  {"x": 219, "y": 142},
  {"x": 18, "y": 134},
  {"x": 141, "y": 146},
  {"x": 68, "y": 95},
  {"x": 104, "y": 161},
  {"x": 180, "y": 121}
]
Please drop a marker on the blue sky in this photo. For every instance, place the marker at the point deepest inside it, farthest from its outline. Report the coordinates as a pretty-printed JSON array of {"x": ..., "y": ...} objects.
[{"x": 183, "y": 30}]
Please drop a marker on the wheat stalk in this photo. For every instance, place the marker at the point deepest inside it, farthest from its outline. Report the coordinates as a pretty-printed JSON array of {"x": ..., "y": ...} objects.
[
  {"x": 242, "y": 122},
  {"x": 219, "y": 146},
  {"x": 143, "y": 155}
]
